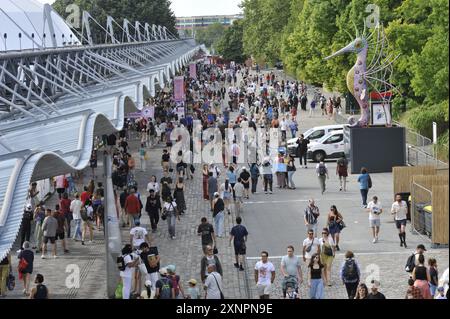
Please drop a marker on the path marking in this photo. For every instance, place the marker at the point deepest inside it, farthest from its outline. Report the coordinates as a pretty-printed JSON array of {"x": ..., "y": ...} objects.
[{"x": 297, "y": 201}]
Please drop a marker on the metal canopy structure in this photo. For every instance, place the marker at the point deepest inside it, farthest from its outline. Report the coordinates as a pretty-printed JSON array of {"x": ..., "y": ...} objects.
[{"x": 54, "y": 101}]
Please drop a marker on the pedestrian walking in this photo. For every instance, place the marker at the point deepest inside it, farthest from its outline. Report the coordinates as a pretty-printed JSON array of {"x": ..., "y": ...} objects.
[
  {"x": 267, "y": 175},
  {"x": 335, "y": 225},
  {"x": 291, "y": 169},
  {"x": 171, "y": 215},
  {"x": 362, "y": 292},
  {"x": 238, "y": 235},
  {"x": 192, "y": 291},
  {"x": 5, "y": 270},
  {"x": 315, "y": 277},
  {"x": 413, "y": 292},
  {"x": 164, "y": 286},
  {"x": 133, "y": 206},
  {"x": 176, "y": 281},
  {"x": 311, "y": 246},
  {"x": 400, "y": 209},
  {"x": 25, "y": 268},
  {"x": 209, "y": 258},
  {"x": 64, "y": 205},
  {"x": 40, "y": 291},
  {"x": 143, "y": 157},
  {"x": 25, "y": 227},
  {"x": 434, "y": 282},
  {"x": 327, "y": 253},
  {"x": 302, "y": 150},
  {"x": 49, "y": 227},
  {"x": 342, "y": 172},
  {"x": 291, "y": 271},
  {"x": 226, "y": 193},
  {"x": 254, "y": 173},
  {"x": 138, "y": 235},
  {"x": 375, "y": 209},
  {"x": 218, "y": 214},
  {"x": 153, "y": 209},
  {"x": 365, "y": 183},
  {"x": 153, "y": 184},
  {"x": 213, "y": 284},
  {"x": 178, "y": 195},
  {"x": 33, "y": 195},
  {"x": 322, "y": 174},
  {"x": 212, "y": 188},
  {"x": 87, "y": 224},
  {"x": 311, "y": 215},
  {"x": 206, "y": 230},
  {"x": 127, "y": 274},
  {"x": 264, "y": 276},
  {"x": 374, "y": 293},
  {"x": 245, "y": 180},
  {"x": 151, "y": 259},
  {"x": 421, "y": 277},
  {"x": 39, "y": 216},
  {"x": 239, "y": 190},
  {"x": 232, "y": 178},
  {"x": 350, "y": 273}
]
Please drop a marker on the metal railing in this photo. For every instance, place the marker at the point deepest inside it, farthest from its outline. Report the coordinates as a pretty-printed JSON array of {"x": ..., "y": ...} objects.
[
  {"x": 416, "y": 157},
  {"x": 421, "y": 220}
]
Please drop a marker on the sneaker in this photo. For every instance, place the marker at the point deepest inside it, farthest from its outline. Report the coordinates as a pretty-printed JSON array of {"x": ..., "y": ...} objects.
[
  {"x": 91, "y": 241},
  {"x": 266, "y": 193},
  {"x": 153, "y": 231},
  {"x": 241, "y": 268},
  {"x": 340, "y": 189},
  {"x": 43, "y": 256},
  {"x": 236, "y": 265},
  {"x": 66, "y": 251},
  {"x": 374, "y": 240},
  {"x": 174, "y": 237},
  {"x": 270, "y": 192},
  {"x": 337, "y": 248},
  {"x": 54, "y": 257},
  {"x": 82, "y": 242}
]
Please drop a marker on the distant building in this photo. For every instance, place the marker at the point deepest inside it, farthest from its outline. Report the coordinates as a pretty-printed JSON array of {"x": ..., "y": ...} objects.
[{"x": 189, "y": 23}]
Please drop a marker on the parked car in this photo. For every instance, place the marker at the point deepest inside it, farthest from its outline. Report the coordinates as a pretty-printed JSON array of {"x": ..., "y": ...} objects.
[
  {"x": 331, "y": 146},
  {"x": 312, "y": 135}
]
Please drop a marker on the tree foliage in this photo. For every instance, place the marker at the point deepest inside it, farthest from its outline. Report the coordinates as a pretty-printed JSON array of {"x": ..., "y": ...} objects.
[
  {"x": 230, "y": 45},
  {"x": 151, "y": 11},
  {"x": 210, "y": 35}
]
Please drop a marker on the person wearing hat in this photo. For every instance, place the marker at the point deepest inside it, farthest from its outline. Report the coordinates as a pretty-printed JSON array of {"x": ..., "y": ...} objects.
[
  {"x": 164, "y": 287},
  {"x": 192, "y": 291},
  {"x": 374, "y": 293},
  {"x": 176, "y": 282},
  {"x": 245, "y": 180}
]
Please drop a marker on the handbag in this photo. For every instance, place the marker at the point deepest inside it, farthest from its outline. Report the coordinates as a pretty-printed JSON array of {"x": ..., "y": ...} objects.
[
  {"x": 215, "y": 250},
  {"x": 220, "y": 290},
  {"x": 327, "y": 250},
  {"x": 341, "y": 225}
]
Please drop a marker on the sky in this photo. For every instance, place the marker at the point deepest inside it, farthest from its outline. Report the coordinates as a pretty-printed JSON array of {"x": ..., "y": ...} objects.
[{"x": 198, "y": 7}]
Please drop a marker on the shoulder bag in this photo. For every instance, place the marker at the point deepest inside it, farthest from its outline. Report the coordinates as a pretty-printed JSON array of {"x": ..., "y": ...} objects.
[{"x": 220, "y": 290}]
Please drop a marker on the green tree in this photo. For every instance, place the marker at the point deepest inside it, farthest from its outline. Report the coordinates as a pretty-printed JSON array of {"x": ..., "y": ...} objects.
[
  {"x": 230, "y": 46},
  {"x": 210, "y": 35}
]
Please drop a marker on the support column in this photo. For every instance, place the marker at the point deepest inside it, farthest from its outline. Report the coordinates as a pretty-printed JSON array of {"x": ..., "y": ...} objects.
[{"x": 113, "y": 240}]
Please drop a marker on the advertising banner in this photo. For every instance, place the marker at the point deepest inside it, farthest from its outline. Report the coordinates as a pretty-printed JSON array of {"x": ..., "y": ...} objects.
[
  {"x": 193, "y": 71},
  {"x": 179, "y": 89}
]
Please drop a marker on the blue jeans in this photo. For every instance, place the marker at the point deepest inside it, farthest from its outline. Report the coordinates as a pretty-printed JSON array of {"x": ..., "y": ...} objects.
[
  {"x": 218, "y": 223},
  {"x": 433, "y": 290},
  {"x": 77, "y": 232},
  {"x": 364, "y": 193},
  {"x": 136, "y": 219},
  {"x": 291, "y": 181},
  {"x": 316, "y": 290},
  {"x": 171, "y": 220}
]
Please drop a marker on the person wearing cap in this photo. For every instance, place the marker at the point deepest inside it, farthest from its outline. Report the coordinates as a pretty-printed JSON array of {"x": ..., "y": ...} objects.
[
  {"x": 176, "y": 282},
  {"x": 374, "y": 293},
  {"x": 420, "y": 250},
  {"x": 192, "y": 291},
  {"x": 25, "y": 229},
  {"x": 245, "y": 180}
]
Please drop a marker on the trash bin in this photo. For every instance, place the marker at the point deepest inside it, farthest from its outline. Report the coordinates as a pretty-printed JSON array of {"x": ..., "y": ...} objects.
[
  {"x": 428, "y": 211},
  {"x": 407, "y": 198},
  {"x": 419, "y": 218}
]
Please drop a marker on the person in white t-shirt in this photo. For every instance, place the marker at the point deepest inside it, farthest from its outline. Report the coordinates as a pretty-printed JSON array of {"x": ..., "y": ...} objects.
[
  {"x": 264, "y": 275},
  {"x": 127, "y": 274},
  {"x": 400, "y": 210},
  {"x": 311, "y": 246},
  {"x": 375, "y": 209},
  {"x": 75, "y": 209},
  {"x": 138, "y": 235},
  {"x": 153, "y": 184},
  {"x": 283, "y": 128}
]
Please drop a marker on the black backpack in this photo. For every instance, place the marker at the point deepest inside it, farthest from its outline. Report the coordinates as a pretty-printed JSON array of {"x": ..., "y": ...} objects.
[
  {"x": 410, "y": 263},
  {"x": 121, "y": 263},
  {"x": 350, "y": 271}
]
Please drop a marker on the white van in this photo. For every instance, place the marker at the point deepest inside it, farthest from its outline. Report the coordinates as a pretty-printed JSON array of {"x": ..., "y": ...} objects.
[
  {"x": 313, "y": 134},
  {"x": 331, "y": 146}
]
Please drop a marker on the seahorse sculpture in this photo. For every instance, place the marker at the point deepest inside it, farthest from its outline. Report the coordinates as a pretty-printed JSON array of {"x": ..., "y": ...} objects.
[{"x": 376, "y": 74}]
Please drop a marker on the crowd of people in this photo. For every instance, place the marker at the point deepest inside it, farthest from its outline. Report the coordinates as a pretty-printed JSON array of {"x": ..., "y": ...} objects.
[{"x": 218, "y": 98}]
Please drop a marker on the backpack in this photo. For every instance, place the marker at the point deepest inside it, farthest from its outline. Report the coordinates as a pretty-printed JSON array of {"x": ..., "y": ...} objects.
[
  {"x": 410, "y": 263},
  {"x": 350, "y": 272},
  {"x": 121, "y": 263},
  {"x": 165, "y": 292},
  {"x": 322, "y": 170}
]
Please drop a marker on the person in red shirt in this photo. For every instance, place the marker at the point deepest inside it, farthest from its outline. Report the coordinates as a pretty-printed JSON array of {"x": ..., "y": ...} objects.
[
  {"x": 133, "y": 206},
  {"x": 64, "y": 205},
  {"x": 85, "y": 195}
]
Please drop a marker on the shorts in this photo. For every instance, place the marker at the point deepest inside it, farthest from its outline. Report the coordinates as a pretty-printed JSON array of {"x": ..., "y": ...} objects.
[
  {"x": 374, "y": 222},
  {"x": 46, "y": 239},
  {"x": 400, "y": 223},
  {"x": 247, "y": 186},
  {"x": 240, "y": 250},
  {"x": 60, "y": 190},
  {"x": 59, "y": 236},
  {"x": 263, "y": 289}
]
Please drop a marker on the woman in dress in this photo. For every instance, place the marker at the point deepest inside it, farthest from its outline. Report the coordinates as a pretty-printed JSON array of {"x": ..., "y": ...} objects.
[
  {"x": 205, "y": 174},
  {"x": 26, "y": 257},
  {"x": 421, "y": 276},
  {"x": 334, "y": 224},
  {"x": 179, "y": 196},
  {"x": 327, "y": 253}
]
